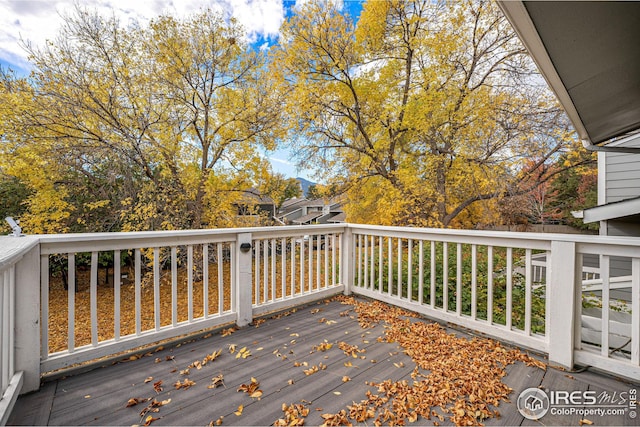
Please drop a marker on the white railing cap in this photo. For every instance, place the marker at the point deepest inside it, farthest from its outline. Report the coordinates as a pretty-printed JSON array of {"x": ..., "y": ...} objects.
[{"x": 12, "y": 249}]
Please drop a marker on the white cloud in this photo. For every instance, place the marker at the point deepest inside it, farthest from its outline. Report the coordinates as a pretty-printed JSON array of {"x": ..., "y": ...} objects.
[
  {"x": 284, "y": 162},
  {"x": 259, "y": 17},
  {"x": 39, "y": 20}
]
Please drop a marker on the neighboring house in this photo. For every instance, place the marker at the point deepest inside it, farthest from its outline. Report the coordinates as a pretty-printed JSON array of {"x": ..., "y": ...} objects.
[
  {"x": 317, "y": 211},
  {"x": 257, "y": 208}
]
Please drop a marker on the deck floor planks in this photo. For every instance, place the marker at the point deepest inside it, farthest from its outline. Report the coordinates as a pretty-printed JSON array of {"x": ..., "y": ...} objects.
[
  {"x": 519, "y": 377},
  {"x": 274, "y": 380},
  {"x": 294, "y": 336},
  {"x": 268, "y": 337},
  {"x": 35, "y": 408}
]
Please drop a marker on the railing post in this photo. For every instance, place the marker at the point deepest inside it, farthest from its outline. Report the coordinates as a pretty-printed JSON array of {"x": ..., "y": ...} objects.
[
  {"x": 244, "y": 278},
  {"x": 561, "y": 292},
  {"x": 346, "y": 263},
  {"x": 20, "y": 283}
]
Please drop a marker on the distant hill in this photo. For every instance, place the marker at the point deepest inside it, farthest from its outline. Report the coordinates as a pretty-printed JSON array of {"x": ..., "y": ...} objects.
[{"x": 305, "y": 184}]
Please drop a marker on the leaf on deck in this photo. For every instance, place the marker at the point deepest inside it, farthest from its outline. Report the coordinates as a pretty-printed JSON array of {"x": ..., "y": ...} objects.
[
  {"x": 252, "y": 389},
  {"x": 184, "y": 385},
  {"x": 227, "y": 332}
]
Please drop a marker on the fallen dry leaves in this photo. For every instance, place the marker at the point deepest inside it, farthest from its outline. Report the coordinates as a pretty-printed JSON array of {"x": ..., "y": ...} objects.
[
  {"x": 184, "y": 385},
  {"x": 294, "y": 415},
  {"x": 462, "y": 377},
  {"x": 350, "y": 350},
  {"x": 216, "y": 381},
  {"x": 252, "y": 389}
]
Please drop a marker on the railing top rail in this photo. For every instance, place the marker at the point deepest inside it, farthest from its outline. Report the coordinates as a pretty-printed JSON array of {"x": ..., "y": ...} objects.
[
  {"x": 125, "y": 240},
  {"x": 13, "y": 248},
  {"x": 132, "y": 235},
  {"x": 503, "y": 235}
]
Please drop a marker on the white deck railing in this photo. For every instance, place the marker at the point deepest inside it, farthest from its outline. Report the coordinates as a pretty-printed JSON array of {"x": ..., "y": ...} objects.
[
  {"x": 207, "y": 274},
  {"x": 162, "y": 285}
]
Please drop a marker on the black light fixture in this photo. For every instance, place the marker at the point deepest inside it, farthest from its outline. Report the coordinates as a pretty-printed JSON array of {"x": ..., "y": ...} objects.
[{"x": 245, "y": 247}]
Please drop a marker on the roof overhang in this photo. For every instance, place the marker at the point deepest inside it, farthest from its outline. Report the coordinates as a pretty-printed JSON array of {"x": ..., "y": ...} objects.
[
  {"x": 588, "y": 53},
  {"x": 625, "y": 210}
]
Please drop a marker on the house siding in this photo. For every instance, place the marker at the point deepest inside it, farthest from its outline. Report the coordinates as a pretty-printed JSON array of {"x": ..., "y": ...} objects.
[{"x": 622, "y": 175}]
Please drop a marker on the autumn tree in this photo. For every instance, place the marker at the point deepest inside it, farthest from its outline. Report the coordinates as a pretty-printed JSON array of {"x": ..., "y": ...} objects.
[
  {"x": 550, "y": 191},
  {"x": 143, "y": 127},
  {"x": 280, "y": 188},
  {"x": 421, "y": 111}
]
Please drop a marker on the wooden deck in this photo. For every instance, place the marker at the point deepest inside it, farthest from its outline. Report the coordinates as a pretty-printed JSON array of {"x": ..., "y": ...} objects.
[{"x": 281, "y": 349}]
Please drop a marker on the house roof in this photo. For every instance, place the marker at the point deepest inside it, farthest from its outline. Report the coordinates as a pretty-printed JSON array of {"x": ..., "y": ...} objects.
[
  {"x": 588, "y": 53},
  {"x": 307, "y": 218},
  {"x": 254, "y": 195},
  {"x": 341, "y": 217}
]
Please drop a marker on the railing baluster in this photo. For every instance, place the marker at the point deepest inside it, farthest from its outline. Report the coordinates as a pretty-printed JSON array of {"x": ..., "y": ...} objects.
[
  {"x": 365, "y": 250},
  {"x": 380, "y": 263},
  {"x": 528, "y": 288},
  {"x": 156, "y": 287},
  {"x": 326, "y": 261},
  {"x": 445, "y": 276},
  {"x": 220, "y": 269},
  {"x": 399, "y": 268},
  {"x": 283, "y": 266},
  {"x": 265, "y": 267},
  {"x": 372, "y": 279},
  {"x": 606, "y": 301},
  {"x": 635, "y": 311},
  {"x": 44, "y": 306},
  {"x": 334, "y": 249},
  {"x": 509, "y": 307},
  {"x": 359, "y": 260},
  {"x": 71, "y": 302},
  {"x": 174, "y": 286},
  {"x": 138, "y": 286},
  {"x": 318, "y": 254},
  {"x": 293, "y": 266},
  {"x": 474, "y": 282},
  {"x": 257, "y": 271},
  {"x": 190, "y": 283},
  {"x": 490, "y": 284},
  {"x": 116, "y": 294},
  {"x": 389, "y": 265},
  {"x": 233, "y": 275},
  {"x": 421, "y": 272},
  {"x": 205, "y": 280},
  {"x": 310, "y": 260},
  {"x": 410, "y": 269},
  {"x": 432, "y": 255},
  {"x": 302, "y": 255},
  {"x": 273, "y": 269},
  {"x": 93, "y": 298},
  {"x": 458, "y": 279}
]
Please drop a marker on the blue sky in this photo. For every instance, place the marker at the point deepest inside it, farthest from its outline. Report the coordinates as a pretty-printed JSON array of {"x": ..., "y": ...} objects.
[{"x": 37, "y": 21}]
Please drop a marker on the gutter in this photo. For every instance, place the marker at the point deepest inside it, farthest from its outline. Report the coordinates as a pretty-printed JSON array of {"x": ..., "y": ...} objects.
[{"x": 588, "y": 145}]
